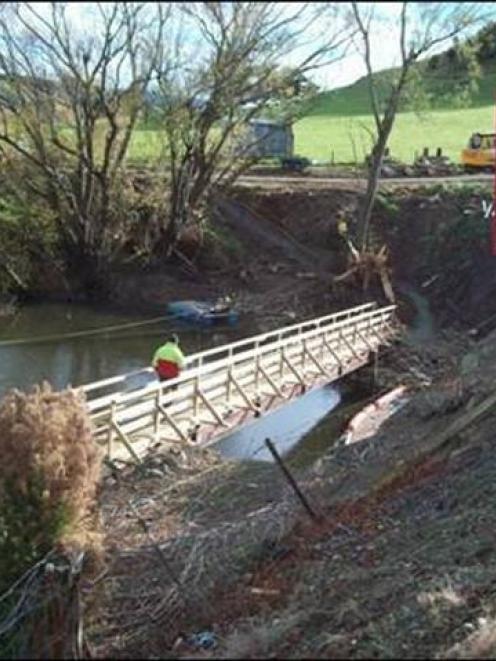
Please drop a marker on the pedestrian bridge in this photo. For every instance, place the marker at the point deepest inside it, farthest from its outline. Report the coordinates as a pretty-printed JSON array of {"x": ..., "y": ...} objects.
[{"x": 225, "y": 387}]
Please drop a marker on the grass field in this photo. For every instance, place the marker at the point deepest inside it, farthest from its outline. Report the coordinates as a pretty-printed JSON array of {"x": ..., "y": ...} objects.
[
  {"x": 316, "y": 136},
  {"x": 341, "y": 117},
  {"x": 338, "y": 122}
]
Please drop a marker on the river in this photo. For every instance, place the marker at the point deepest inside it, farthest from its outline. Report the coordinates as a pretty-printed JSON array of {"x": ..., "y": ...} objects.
[
  {"x": 83, "y": 359},
  {"x": 75, "y": 361}
]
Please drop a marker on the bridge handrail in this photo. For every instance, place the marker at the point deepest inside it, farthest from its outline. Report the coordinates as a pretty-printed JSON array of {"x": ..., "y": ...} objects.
[
  {"x": 210, "y": 368},
  {"x": 201, "y": 355}
]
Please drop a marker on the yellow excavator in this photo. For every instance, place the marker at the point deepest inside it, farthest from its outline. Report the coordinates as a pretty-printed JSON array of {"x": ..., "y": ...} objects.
[{"x": 480, "y": 155}]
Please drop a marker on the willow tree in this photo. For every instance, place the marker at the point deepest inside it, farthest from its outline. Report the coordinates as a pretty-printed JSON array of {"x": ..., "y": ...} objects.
[
  {"x": 71, "y": 93},
  {"x": 420, "y": 28},
  {"x": 235, "y": 62}
]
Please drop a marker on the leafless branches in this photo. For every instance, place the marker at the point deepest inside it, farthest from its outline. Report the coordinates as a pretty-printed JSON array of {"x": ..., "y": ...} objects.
[
  {"x": 237, "y": 68},
  {"x": 420, "y": 28},
  {"x": 69, "y": 101}
]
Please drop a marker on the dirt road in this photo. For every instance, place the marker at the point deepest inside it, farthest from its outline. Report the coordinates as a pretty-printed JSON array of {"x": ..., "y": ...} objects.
[{"x": 268, "y": 181}]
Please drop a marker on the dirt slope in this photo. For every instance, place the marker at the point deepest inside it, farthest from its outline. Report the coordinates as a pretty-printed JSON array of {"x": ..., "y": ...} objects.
[{"x": 401, "y": 564}]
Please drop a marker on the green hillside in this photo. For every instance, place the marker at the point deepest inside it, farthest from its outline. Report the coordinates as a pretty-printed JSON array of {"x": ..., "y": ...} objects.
[
  {"x": 336, "y": 123},
  {"x": 338, "y": 119}
]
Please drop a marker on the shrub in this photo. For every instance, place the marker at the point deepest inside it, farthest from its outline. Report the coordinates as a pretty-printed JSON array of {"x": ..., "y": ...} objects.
[
  {"x": 28, "y": 240},
  {"x": 48, "y": 476},
  {"x": 388, "y": 204}
]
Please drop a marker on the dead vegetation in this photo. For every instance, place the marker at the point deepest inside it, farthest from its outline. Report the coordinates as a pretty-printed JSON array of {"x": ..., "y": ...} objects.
[
  {"x": 400, "y": 566},
  {"x": 367, "y": 265},
  {"x": 48, "y": 482}
]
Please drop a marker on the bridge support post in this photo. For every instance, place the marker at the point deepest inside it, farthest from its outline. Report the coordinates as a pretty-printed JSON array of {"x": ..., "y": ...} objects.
[
  {"x": 335, "y": 356},
  {"x": 271, "y": 382},
  {"x": 350, "y": 346},
  {"x": 295, "y": 371},
  {"x": 314, "y": 360},
  {"x": 196, "y": 393},
  {"x": 127, "y": 444},
  {"x": 245, "y": 396}
]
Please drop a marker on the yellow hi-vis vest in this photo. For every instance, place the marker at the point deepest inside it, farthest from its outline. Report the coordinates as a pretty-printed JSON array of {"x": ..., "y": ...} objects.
[{"x": 171, "y": 352}]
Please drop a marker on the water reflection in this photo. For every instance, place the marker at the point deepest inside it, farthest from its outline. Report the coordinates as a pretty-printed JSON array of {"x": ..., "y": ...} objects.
[
  {"x": 285, "y": 426},
  {"x": 80, "y": 360}
]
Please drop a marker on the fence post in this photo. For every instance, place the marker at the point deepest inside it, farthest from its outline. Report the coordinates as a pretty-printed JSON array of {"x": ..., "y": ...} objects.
[
  {"x": 229, "y": 374},
  {"x": 195, "y": 397},
  {"x": 257, "y": 365},
  {"x": 110, "y": 437},
  {"x": 156, "y": 429},
  {"x": 290, "y": 479}
]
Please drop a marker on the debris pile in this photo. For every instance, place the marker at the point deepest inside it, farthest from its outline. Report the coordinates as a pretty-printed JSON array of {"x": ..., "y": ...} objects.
[
  {"x": 425, "y": 165},
  {"x": 434, "y": 165}
]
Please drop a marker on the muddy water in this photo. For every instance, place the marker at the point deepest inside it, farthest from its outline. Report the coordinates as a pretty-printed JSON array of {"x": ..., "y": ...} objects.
[
  {"x": 301, "y": 431},
  {"x": 423, "y": 328},
  {"x": 80, "y": 360},
  {"x": 285, "y": 426}
]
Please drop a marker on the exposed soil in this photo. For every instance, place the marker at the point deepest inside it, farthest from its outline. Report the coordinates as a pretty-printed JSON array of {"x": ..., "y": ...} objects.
[
  {"x": 278, "y": 250},
  {"x": 400, "y": 562},
  {"x": 399, "y": 565},
  {"x": 437, "y": 237}
]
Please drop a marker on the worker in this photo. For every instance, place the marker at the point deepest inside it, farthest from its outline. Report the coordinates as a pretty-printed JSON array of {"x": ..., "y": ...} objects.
[{"x": 168, "y": 360}]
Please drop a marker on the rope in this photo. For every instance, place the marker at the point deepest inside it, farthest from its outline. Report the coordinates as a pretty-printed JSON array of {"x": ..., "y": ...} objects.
[{"x": 94, "y": 331}]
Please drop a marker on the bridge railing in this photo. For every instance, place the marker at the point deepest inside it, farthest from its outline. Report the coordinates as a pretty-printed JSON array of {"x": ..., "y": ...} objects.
[
  {"x": 257, "y": 366},
  {"x": 197, "y": 359}
]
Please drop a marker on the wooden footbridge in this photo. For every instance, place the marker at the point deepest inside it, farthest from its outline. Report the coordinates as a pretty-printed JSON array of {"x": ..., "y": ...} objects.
[{"x": 223, "y": 388}]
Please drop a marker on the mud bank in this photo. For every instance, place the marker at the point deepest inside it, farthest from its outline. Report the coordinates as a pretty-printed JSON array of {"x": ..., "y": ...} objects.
[{"x": 276, "y": 252}]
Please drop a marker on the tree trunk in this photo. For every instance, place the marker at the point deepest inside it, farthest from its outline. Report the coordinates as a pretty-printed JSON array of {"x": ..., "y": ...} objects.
[
  {"x": 378, "y": 151},
  {"x": 372, "y": 182},
  {"x": 90, "y": 273}
]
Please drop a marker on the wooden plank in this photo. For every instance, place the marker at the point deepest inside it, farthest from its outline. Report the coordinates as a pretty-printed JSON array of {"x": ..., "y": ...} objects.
[
  {"x": 170, "y": 421},
  {"x": 243, "y": 394},
  {"x": 300, "y": 379},
  {"x": 211, "y": 408},
  {"x": 126, "y": 442}
]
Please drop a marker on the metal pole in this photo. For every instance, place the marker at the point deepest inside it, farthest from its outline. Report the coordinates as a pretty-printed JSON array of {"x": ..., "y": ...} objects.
[{"x": 290, "y": 478}]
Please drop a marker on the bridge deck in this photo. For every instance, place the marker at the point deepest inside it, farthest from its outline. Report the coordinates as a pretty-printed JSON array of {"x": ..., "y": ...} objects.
[{"x": 226, "y": 387}]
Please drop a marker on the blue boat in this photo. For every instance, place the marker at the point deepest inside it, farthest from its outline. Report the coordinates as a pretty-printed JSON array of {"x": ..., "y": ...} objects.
[{"x": 204, "y": 314}]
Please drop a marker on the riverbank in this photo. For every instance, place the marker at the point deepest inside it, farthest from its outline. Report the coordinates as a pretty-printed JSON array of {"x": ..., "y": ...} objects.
[
  {"x": 276, "y": 253},
  {"x": 193, "y": 543},
  {"x": 254, "y": 569}
]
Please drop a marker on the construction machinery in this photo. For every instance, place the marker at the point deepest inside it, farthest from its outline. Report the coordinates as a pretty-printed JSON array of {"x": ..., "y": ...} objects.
[{"x": 480, "y": 154}]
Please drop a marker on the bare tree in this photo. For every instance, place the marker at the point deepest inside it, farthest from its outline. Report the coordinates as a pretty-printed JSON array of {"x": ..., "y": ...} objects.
[
  {"x": 70, "y": 98},
  {"x": 421, "y": 27},
  {"x": 240, "y": 59}
]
